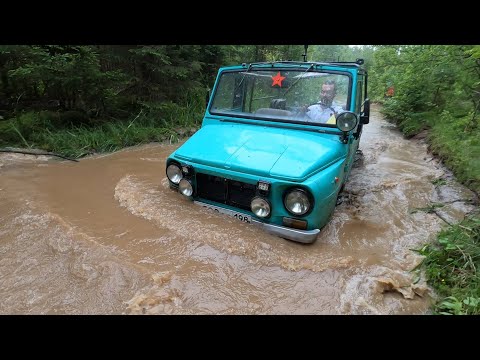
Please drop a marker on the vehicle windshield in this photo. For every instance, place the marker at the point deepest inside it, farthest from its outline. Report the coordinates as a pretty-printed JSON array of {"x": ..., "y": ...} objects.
[{"x": 312, "y": 97}]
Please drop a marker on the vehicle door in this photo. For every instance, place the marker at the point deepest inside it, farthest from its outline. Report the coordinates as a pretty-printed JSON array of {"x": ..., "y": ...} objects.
[{"x": 354, "y": 141}]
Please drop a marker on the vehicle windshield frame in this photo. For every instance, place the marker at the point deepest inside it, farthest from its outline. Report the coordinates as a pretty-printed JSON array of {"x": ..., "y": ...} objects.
[{"x": 301, "y": 70}]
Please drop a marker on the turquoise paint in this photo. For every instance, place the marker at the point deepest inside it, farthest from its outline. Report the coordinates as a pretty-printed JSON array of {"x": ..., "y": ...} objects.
[
  {"x": 292, "y": 155},
  {"x": 322, "y": 186},
  {"x": 285, "y": 156}
]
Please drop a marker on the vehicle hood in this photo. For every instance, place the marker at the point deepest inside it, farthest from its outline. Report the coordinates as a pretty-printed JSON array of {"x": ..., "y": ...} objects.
[{"x": 288, "y": 154}]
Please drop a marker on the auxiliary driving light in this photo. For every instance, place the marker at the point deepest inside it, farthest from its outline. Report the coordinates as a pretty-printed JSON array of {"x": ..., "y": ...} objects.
[
  {"x": 347, "y": 121},
  {"x": 260, "y": 207},
  {"x": 174, "y": 173},
  {"x": 185, "y": 187}
]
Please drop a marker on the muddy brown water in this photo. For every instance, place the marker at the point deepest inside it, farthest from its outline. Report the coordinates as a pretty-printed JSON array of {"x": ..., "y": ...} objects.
[{"x": 107, "y": 236}]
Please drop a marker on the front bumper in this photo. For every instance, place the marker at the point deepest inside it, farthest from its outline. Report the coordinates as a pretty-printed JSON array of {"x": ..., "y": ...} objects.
[{"x": 302, "y": 236}]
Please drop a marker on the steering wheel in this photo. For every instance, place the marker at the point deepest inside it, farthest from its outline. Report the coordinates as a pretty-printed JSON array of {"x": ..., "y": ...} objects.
[{"x": 300, "y": 111}]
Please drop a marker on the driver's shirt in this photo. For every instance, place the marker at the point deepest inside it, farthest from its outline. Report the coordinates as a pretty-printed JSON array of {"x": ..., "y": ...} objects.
[{"x": 323, "y": 114}]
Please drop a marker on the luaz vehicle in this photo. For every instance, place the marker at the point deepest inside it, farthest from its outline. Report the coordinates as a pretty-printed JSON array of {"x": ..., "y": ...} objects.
[{"x": 260, "y": 154}]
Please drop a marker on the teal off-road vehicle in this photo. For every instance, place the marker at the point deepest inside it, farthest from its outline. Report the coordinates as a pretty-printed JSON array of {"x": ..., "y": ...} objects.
[{"x": 276, "y": 145}]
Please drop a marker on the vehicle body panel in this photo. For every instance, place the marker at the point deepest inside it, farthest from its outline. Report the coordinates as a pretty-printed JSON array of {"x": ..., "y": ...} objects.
[
  {"x": 246, "y": 138},
  {"x": 289, "y": 154}
]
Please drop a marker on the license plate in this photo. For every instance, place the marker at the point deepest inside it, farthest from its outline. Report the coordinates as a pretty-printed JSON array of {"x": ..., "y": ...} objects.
[{"x": 237, "y": 215}]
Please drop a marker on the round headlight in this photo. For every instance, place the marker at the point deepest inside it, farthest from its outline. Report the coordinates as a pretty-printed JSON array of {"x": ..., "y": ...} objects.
[
  {"x": 260, "y": 207},
  {"x": 174, "y": 173},
  {"x": 185, "y": 187},
  {"x": 347, "y": 120},
  {"x": 296, "y": 202}
]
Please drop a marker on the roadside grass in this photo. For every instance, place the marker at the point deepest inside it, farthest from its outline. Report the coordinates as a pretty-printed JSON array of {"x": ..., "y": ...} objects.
[
  {"x": 415, "y": 123},
  {"x": 451, "y": 266},
  {"x": 458, "y": 148},
  {"x": 75, "y": 137}
]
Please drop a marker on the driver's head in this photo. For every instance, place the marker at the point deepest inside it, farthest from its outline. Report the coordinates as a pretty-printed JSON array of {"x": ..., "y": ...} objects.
[{"x": 328, "y": 93}]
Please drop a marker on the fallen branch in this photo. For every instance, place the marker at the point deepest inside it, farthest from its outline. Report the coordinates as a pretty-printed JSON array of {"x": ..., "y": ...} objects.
[
  {"x": 26, "y": 152},
  {"x": 441, "y": 217},
  {"x": 466, "y": 201}
]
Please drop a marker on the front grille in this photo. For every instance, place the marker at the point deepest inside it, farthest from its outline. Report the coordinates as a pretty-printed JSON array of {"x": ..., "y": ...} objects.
[{"x": 225, "y": 191}]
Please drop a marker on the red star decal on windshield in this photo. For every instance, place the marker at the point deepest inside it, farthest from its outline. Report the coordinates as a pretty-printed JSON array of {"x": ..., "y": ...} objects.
[{"x": 277, "y": 79}]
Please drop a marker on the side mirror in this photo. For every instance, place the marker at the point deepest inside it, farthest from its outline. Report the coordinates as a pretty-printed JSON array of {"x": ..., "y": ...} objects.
[
  {"x": 207, "y": 98},
  {"x": 365, "y": 115}
]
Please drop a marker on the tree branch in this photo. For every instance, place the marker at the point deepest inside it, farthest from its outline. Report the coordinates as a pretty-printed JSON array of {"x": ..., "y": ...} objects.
[{"x": 27, "y": 152}]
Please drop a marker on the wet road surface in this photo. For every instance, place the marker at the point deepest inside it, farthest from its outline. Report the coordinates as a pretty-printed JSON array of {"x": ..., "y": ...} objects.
[{"x": 107, "y": 236}]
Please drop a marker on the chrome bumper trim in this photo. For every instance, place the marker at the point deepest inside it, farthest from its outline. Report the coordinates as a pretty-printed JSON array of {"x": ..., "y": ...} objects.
[{"x": 302, "y": 236}]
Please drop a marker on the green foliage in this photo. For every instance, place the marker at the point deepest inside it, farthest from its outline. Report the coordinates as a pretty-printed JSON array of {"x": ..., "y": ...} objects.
[
  {"x": 459, "y": 149},
  {"x": 72, "y": 134},
  {"x": 189, "y": 113},
  {"x": 451, "y": 267},
  {"x": 69, "y": 75},
  {"x": 115, "y": 80},
  {"x": 437, "y": 87},
  {"x": 237, "y": 54},
  {"x": 414, "y": 123},
  {"x": 81, "y": 99},
  {"x": 102, "y": 81},
  {"x": 439, "y": 182},
  {"x": 110, "y": 136},
  {"x": 474, "y": 51}
]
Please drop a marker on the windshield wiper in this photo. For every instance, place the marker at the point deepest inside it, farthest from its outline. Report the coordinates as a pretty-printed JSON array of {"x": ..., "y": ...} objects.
[
  {"x": 243, "y": 78},
  {"x": 286, "y": 91}
]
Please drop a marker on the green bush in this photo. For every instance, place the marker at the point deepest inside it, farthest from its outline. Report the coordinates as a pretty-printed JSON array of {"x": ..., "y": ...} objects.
[{"x": 451, "y": 267}]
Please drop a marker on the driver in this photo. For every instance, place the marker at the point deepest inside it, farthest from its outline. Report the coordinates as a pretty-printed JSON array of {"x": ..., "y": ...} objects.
[{"x": 325, "y": 110}]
